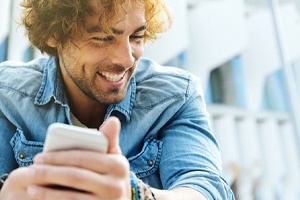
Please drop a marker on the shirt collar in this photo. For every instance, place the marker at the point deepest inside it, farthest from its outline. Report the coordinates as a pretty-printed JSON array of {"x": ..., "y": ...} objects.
[
  {"x": 126, "y": 105},
  {"x": 51, "y": 86}
]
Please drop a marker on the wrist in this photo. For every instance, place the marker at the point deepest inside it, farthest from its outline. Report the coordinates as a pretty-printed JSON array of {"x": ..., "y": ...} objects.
[
  {"x": 134, "y": 187},
  {"x": 140, "y": 190}
]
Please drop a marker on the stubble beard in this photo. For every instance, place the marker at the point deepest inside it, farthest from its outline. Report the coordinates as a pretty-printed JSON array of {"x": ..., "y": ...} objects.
[
  {"x": 111, "y": 96},
  {"x": 90, "y": 90}
]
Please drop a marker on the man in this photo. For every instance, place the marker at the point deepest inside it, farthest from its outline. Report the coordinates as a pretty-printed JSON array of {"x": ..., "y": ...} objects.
[{"x": 160, "y": 143}]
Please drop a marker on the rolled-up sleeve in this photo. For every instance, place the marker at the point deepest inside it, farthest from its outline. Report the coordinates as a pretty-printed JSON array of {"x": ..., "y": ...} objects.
[{"x": 191, "y": 156}]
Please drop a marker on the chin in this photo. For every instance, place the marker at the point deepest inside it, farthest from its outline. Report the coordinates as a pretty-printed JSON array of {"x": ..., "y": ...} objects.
[
  {"x": 112, "y": 99},
  {"x": 111, "y": 96}
]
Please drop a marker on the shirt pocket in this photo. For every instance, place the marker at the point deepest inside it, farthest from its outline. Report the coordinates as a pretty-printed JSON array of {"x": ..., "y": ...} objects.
[
  {"x": 24, "y": 149},
  {"x": 147, "y": 161}
]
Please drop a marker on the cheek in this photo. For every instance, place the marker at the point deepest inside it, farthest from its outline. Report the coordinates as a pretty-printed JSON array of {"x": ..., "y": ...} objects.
[
  {"x": 94, "y": 55},
  {"x": 138, "y": 50}
]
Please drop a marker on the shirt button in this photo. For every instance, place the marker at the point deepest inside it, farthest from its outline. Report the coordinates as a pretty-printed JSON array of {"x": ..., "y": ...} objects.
[
  {"x": 150, "y": 163},
  {"x": 22, "y": 155}
]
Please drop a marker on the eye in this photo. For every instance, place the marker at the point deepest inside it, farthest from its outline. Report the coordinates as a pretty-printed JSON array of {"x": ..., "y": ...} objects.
[
  {"x": 104, "y": 39},
  {"x": 137, "y": 37}
]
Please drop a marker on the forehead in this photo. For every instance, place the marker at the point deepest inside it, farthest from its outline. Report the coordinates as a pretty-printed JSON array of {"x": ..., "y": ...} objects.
[{"x": 128, "y": 12}]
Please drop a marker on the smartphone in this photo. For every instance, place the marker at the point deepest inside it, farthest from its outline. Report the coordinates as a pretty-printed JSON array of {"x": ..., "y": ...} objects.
[{"x": 65, "y": 137}]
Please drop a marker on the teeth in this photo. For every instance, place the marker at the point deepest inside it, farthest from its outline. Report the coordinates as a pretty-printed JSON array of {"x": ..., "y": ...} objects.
[{"x": 112, "y": 77}]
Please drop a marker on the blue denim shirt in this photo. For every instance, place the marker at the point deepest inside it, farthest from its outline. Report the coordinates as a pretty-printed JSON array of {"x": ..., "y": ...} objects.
[{"x": 165, "y": 129}]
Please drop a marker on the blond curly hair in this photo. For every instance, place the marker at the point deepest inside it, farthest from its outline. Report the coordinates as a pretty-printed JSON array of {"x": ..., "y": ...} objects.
[{"x": 65, "y": 19}]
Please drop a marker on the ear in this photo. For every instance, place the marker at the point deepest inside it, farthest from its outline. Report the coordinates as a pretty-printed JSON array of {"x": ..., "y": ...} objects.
[{"x": 52, "y": 42}]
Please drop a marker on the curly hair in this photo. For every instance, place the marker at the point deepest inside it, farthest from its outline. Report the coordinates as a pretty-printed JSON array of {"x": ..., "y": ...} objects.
[{"x": 64, "y": 19}]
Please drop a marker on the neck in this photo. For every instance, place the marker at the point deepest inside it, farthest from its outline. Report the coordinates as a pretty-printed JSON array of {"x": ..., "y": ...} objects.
[{"x": 89, "y": 114}]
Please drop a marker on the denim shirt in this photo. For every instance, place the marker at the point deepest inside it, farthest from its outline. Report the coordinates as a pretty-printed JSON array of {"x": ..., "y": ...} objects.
[{"x": 165, "y": 133}]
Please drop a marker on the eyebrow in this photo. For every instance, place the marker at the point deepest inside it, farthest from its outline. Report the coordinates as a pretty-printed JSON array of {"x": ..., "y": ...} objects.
[{"x": 97, "y": 29}]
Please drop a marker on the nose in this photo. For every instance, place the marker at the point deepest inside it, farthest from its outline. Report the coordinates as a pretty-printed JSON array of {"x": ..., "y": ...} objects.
[{"x": 123, "y": 54}]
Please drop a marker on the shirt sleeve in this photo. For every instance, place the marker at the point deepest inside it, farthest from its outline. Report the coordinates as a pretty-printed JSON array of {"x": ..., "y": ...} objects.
[
  {"x": 191, "y": 156},
  {"x": 7, "y": 157}
]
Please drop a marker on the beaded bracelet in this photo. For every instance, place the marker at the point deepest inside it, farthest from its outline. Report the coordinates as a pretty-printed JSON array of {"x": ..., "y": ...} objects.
[
  {"x": 2, "y": 179},
  {"x": 134, "y": 187},
  {"x": 140, "y": 190}
]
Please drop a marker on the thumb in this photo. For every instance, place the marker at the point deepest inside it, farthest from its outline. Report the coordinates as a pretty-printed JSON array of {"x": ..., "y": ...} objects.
[{"x": 111, "y": 128}]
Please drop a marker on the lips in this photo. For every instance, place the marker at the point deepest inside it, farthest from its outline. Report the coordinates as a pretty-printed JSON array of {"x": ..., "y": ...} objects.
[{"x": 112, "y": 77}]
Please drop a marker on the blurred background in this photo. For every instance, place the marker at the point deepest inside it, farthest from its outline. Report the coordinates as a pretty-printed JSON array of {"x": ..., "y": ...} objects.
[{"x": 247, "y": 54}]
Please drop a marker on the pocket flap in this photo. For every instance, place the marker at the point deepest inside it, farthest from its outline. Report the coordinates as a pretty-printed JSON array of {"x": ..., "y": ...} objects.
[
  {"x": 147, "y": 161},
  {"x": 24, "y": 150}
]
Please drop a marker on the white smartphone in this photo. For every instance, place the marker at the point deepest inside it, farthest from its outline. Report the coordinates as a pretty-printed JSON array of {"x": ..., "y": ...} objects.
[{"x": 65, "y": 137}]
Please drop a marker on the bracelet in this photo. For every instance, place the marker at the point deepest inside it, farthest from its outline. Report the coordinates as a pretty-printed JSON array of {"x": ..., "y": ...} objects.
[
  {"x": 134, "y": 187},
  {"x": 2, "y": 179},
  {"x": 140, "y": 190}
]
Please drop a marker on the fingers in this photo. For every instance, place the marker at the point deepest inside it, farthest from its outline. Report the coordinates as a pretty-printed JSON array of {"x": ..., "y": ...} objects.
[
  {"x": 111, "y": 128},
  {"x": 61, "y": 181},
  {"x": 68, "y": 177},
  {"x": 47, "y": 193},
  {"x": 93, "y": 161},
  {"x": 15, "y": 185}
]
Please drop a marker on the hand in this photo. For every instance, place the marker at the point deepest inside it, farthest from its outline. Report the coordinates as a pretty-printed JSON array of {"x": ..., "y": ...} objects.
[
  {"x": 86, "y": 174},
  {"x": 15, "y": 185}
]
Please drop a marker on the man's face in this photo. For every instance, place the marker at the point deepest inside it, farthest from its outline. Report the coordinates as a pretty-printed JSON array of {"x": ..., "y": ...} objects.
[{"x": 100, "y": 67}]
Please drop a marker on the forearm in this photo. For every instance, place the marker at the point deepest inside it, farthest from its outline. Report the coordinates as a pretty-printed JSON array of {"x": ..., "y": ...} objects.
[
  {"x": 178, "y": 194},
  {"x": 142, "y": 191}
]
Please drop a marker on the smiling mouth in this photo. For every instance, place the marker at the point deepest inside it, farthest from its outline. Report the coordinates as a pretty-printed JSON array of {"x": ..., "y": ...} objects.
[{"x": 112, "y": 77}]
